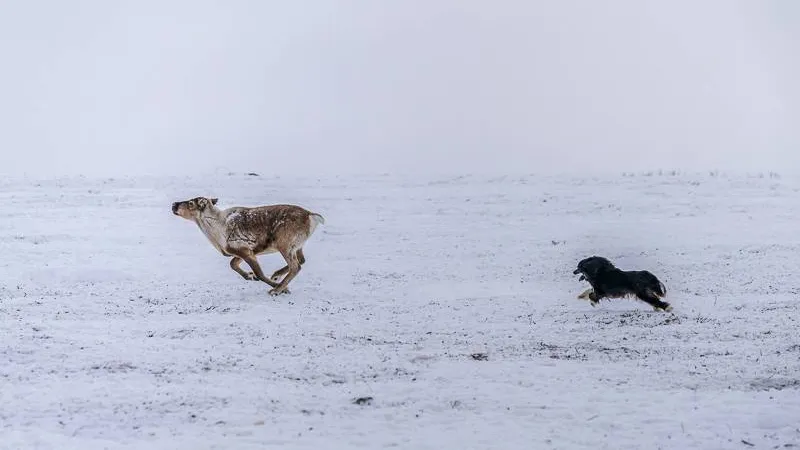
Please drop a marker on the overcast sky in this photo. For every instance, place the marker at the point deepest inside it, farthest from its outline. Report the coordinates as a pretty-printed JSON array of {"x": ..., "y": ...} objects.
[{"x": 108, "y": 87}]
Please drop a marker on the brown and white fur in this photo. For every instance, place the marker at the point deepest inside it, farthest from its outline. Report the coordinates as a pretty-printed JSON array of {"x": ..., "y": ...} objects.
[{"x": 244, "y": 233}]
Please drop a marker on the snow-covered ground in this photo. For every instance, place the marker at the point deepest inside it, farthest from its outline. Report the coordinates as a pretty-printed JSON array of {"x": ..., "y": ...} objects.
[{"x": 123, "y": 328}]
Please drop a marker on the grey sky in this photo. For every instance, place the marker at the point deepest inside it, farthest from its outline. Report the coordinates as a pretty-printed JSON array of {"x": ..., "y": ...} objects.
[{"x": 142, "y": 86}]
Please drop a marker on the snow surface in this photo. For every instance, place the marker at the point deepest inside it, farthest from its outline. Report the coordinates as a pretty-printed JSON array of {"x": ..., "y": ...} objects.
[{"x": 123, "y": 328}]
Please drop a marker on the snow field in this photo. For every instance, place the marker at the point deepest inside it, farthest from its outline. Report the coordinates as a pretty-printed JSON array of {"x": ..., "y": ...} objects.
[{"x": 123, "y": 328}]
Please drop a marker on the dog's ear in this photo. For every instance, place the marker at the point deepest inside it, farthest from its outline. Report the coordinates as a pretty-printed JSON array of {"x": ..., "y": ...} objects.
[{"x": 595, "y": 266}]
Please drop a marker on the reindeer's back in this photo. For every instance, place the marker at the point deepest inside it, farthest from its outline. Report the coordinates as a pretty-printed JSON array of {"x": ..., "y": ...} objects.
[{"x": 270, "y": 227}]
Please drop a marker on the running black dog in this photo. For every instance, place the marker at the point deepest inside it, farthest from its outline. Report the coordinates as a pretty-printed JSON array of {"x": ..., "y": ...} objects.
[{"x": 609, "y": 282}]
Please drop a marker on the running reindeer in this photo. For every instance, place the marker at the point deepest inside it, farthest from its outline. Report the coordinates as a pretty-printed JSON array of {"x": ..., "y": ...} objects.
[{"x": 244, "y": 233}]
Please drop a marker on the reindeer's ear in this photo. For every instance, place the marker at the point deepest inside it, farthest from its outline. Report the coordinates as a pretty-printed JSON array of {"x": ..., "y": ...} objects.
[{"x": 214, "y": 201}]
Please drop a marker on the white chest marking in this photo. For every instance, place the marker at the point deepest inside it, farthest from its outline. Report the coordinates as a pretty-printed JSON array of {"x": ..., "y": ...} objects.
[{"x": 215, "y": 231}]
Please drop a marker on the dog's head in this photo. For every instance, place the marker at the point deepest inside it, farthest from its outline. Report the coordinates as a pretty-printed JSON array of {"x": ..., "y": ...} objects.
[
  {"x": 191, "y": 209},
  {"x": 590, "y": 268}
]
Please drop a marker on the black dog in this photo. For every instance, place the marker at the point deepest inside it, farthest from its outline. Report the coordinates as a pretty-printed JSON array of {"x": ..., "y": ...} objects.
[{"x": 609, "y": 282}]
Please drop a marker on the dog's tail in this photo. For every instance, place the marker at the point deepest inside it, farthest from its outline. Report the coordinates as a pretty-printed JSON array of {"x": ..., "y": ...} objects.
[
  {"x": 654, "y": 285},
  {"x": 662, "y": 290}
]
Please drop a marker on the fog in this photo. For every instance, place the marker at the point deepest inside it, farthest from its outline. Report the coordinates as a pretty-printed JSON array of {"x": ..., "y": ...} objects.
[{"x": 329, "y": 87}]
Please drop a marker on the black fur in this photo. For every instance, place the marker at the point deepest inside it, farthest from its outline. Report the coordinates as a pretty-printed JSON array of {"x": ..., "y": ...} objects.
[{"x": 610, "y": 282}]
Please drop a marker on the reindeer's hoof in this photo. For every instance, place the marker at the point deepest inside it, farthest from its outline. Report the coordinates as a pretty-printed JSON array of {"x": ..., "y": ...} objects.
[
  {"x": 250, "y": 276},
  {"x": 276, "y": 292}
]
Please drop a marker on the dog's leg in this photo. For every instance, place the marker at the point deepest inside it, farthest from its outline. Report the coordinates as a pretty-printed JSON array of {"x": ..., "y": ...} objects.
[
  {"x": 590, "y": 295},
  {"x": 594, "y": 299},
  {"x": 657, "y": 304}
]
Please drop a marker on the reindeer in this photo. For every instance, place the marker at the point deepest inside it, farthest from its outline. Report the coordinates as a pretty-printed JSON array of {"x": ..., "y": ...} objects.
[{"x": 244, "y": 233}]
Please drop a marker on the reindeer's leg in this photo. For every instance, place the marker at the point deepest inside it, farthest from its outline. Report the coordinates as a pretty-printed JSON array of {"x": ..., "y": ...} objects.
[
  {"x": 251, "y": 261},
  {"x": 277, "y": 275},
  {"x": 235, "y": 266},
  {"x": 293, "y": 262},
  {"x": 301, "y": 259}
]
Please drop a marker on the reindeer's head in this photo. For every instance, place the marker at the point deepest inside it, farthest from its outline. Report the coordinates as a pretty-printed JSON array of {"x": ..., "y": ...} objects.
[{"x": 191, "y": 209}]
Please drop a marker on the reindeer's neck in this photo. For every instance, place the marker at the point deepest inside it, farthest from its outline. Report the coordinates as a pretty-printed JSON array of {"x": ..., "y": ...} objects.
[{"x": 212, "y": 224}]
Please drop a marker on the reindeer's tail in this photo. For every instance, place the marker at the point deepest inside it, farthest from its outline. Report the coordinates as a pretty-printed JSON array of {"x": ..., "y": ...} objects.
[{"x": 314, "y": 220}]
